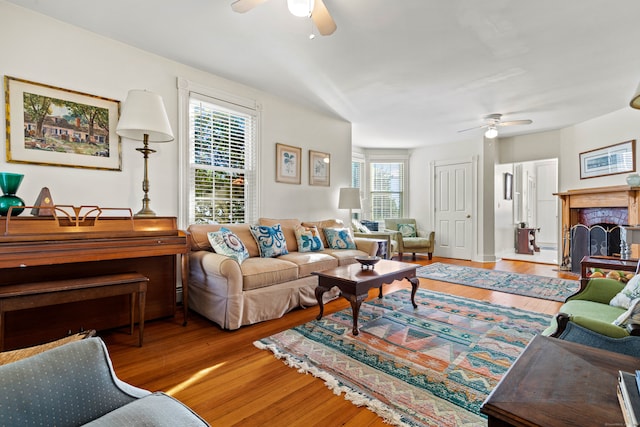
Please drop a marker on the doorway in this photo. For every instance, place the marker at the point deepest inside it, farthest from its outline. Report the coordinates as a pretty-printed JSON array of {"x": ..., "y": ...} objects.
[{"x": 532, "y": 205}]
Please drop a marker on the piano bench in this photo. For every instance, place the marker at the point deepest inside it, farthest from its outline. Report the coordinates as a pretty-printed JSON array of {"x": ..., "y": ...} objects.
[{"x": 39, "y": 294}]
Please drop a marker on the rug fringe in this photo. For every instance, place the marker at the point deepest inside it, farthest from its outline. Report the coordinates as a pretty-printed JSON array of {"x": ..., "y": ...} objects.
[{"x": 384, "y": 411}]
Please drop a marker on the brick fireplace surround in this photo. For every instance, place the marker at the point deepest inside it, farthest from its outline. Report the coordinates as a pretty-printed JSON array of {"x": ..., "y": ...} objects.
[{"x": 601, "y": 205}]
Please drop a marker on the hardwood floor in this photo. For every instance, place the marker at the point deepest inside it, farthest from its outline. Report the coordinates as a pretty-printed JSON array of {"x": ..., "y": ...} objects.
[{"x": 228, "y": 381}]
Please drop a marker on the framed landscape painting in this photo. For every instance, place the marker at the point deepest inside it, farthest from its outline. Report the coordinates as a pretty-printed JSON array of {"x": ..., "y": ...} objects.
[
  {"x": 52, "y": 126},
  {"x": 288, "y": 165}
]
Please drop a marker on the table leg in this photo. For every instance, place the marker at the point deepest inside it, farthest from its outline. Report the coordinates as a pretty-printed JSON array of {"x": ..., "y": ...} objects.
[
  {"x": 356, "y": 302},
  {"x": 380, "y": 293},
  {"x": 415, "y": 282},
  {"x": 320, "y": 290}
]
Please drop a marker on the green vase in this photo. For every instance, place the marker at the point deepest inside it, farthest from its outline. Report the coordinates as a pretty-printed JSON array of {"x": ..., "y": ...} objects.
[{"x": 10, "y": 182}]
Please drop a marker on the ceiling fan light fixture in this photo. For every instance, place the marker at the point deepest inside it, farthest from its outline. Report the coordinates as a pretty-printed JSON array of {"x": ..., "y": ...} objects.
[
  {"x": 491, "y": 132},
  {"x": 300, "y": 8}
]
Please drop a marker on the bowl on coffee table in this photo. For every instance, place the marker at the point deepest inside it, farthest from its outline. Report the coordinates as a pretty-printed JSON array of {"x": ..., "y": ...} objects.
[{"x": 368, "y": 262}]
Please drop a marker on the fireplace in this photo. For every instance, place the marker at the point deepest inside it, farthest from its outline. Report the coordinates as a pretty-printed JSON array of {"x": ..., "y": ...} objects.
[{"x": 602, "y": 206}]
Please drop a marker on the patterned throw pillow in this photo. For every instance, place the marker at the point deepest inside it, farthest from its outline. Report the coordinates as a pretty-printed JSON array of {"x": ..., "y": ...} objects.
[
  {"x": 339, "y": 238},
  {"x": 630, "y": 292},
  {"x": 407, "y": 230},
  {"x": 270, "y": 240},
  {"x": 224, "y": 242},
  {"x": 631, "y": 316},
  {"x": 308, "y": 239}
]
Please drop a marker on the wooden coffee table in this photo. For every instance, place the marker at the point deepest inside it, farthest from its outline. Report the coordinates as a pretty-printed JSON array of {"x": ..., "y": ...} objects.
[
  {"x": 559, "y": 383},
  {"x": 354, "y": 283}
]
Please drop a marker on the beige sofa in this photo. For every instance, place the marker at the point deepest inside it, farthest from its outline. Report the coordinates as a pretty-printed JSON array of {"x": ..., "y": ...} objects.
[{"x": 234, "y": 294}]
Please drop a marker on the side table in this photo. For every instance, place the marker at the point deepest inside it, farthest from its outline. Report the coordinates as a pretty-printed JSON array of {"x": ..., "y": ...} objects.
[{"x": 559, "y": 383}]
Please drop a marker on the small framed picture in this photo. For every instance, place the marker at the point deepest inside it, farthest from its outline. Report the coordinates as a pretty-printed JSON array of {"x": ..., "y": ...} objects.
[
  {"x": 609, "y": 160},
  {"x": 508, "y": 186},
  {"x": 52, "y": 126},
  {"x": 319, "y": 168},
  {"x": 288, "y": 164}
]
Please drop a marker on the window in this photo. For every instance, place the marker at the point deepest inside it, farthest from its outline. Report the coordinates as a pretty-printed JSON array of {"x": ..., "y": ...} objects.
[
  {"x": 222, "y": 158},
  {"x": 387, "y": 190}
]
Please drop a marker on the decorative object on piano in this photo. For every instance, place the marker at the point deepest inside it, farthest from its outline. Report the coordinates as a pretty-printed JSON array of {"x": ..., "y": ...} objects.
[
  {"x": 52, "y": 126},
  {"x": 610, "y": 160},
  {"x": 633, "y": 180},
  {"x": 44, "y": 204},
  {"x": 10, "y": 182},
  {"x": 144, "y": 118}
]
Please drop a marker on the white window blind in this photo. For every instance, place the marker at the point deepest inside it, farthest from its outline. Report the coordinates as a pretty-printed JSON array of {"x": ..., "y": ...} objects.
[
  {"x": 222, "y": 163},
  {"x": 387, "y": 190}
]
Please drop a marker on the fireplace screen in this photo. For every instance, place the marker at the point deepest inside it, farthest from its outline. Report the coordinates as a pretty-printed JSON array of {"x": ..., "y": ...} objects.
[{"x": 603, "y": 240}]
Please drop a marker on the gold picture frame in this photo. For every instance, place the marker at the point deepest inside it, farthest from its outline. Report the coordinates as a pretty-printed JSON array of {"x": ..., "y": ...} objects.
[
  {"x": 48, "y": 125},
  {"x": 319, "y": 168},
  {"x": 288, "y": 163}
]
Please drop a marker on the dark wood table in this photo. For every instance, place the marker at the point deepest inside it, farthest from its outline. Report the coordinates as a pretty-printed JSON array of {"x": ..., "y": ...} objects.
[
  {"x": 354, "y": 283},
  {"x": 559, "y": 383}
]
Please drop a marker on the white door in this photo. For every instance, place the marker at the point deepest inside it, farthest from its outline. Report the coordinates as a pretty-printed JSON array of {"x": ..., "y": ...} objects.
[
  {"x": 547, "y": 204},
  {"x": 453, "y": 209}
]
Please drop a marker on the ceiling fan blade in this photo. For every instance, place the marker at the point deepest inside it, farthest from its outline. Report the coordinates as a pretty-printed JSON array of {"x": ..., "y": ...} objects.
[
  {"x": 242, "y": 6},
  {"x": 515, "y": 122},
  {"x": 473, "y": 128},
  {"x": 322, "y": 18}
]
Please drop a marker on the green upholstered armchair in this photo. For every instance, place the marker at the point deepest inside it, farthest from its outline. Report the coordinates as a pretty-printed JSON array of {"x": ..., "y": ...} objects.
[
  {"x": 423, "y": 242},
  {"x": 74, "y": 384},
  {"x": 587, "y": 318}
]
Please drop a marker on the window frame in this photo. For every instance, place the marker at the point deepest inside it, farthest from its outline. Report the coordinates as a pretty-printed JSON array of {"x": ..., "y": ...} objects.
[{"x": 187, "y": 89}]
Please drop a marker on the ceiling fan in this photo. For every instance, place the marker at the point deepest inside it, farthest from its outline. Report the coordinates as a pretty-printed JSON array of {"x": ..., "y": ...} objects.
[
  {"x": 302, "y": 8},
  {"x": 493, "y": 122}
]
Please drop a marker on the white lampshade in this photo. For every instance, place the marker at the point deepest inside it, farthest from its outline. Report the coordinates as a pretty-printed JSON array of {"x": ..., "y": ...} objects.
[
  {"x": 635, "y": 101},
  {"x": 349, "y": 198},
  {"x": 300, "y": 8},
  {"x": 491, "y": 133},
  {"x": 144, "y": 113}
]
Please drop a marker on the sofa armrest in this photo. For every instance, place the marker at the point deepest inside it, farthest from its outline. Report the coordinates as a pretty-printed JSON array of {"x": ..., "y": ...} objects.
[
  {"x": 212, "y": 270},
  {"x": 598, "y": 290},
  {"x": 629, "y": 345},
  {"x": 370, "y": 246},
  {"x": 596, "y": 326}
]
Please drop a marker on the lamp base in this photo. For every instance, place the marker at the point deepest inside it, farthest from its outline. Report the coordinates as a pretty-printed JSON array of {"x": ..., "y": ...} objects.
[{"x": 146, "y": 210}]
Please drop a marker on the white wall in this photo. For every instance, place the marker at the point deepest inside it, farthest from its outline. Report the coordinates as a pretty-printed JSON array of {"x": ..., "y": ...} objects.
[{"x": 43, "y": 50}]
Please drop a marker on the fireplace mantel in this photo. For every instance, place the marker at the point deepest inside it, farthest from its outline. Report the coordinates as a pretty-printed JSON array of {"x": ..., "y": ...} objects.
[{"x": 619, "y": 196}]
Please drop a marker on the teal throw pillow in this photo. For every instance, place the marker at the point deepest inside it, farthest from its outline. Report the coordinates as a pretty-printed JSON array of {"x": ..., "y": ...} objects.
[
  {"x": 224, "y": 242},
  {"x": 308, "y": 239},
  {"x": 270, "y": 240},
  {"x": 407, "y": 230},
  {"x": 339, "y": 238}
]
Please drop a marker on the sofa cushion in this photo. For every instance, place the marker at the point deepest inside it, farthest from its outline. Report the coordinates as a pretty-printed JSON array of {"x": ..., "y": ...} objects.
[
  {"x": 270, "y": 240},
  {"x": 593, "y": 310},
  {"x": 308, "y": 262},
  {"x": 288, "y": 229},
  {"x": 200, "y": 240},
  {"x": 345, "y": 256},
  {"x": 416, "y": 242},
  {"x": 339, "y": 238},
  {"x": 407, "y": 230},
  {"x": 260, "y": 272},
  {"x": 225, "y": 242},
  {"x": 308, "y": 239},
  {"x": 630, "y": 292},
  {"x": 157, "y": 409},
  {"x": 327, "y": 223}
]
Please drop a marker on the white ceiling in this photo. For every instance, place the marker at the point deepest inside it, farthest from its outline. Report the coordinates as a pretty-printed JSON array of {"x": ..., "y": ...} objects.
[{"x": 406, "y": 73}]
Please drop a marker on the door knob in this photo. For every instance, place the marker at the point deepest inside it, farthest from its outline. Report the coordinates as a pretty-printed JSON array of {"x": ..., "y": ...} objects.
[{"x": 468, "y": 216}]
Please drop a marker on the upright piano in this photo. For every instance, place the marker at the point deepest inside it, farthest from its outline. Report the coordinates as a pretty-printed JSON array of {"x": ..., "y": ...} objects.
[{"x": 83, "y": 242}]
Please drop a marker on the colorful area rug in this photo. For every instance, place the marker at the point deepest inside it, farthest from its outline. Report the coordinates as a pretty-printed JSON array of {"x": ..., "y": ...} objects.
[
  {"x": 549, "y": 288},
  {"x": 432, "y": 366}
]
